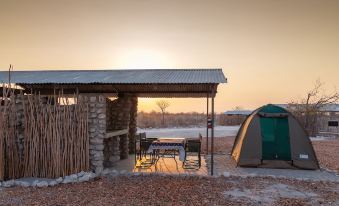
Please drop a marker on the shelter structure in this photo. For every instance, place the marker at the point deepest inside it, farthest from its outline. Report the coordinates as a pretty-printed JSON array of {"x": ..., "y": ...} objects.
[
  {"x": 326, "y": 119},
  {"x": 234, "y": 117},
  {"x": 112, "y": 98},
  {"x": 272, "y": 137}
]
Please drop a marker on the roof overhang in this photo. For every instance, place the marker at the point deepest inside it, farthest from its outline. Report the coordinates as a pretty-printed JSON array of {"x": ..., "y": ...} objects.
[
  {"x": 139, "y": 90},
  {"x": 141, "y": 83}
]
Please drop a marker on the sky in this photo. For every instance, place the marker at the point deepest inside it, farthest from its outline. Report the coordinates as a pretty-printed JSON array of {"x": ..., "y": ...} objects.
[{"x": 270, "y": 51}]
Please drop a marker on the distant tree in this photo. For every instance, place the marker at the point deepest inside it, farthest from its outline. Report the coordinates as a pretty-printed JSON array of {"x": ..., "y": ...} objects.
[
  {"x": 163, "y": 105},
  {"x": 238, "y": 108},
  {"x": 307, "y": 108}
]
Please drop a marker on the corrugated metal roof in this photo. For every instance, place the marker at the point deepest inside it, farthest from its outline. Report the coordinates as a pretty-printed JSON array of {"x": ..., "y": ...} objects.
[
  {"x": 238, "y": 112},
  {"x": 324, "y": 108},
  {"x": 142, "y": 76}
]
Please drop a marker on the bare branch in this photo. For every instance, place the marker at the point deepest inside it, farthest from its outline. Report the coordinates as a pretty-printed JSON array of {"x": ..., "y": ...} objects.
[
  {"x": 163, "y": 105},
  {"x": 308, "y": 108}
]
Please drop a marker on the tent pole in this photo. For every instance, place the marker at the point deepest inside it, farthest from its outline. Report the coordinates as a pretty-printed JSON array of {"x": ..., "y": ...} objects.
[
  {"x": 207, "y": 127},
  {"x": 212, "y": 138}
]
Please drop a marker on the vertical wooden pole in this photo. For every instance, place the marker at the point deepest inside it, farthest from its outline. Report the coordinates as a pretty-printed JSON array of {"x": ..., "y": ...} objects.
[
  {"x": 207, "y": 126},
  {"x": 212, "y": 138}
]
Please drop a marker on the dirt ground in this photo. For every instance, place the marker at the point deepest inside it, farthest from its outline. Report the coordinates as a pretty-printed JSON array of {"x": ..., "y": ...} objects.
[
  {"x": 170, "y": 190},
  {"x": 327, "y": 151},
  {"x": 176, "y": 190}
]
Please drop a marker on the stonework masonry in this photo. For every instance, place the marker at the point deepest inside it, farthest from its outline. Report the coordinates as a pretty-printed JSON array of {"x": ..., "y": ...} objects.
[
  {"x": 133, "y": 124},
  {"x": 121, "y": 114},
  {"x": 104, "y": 115},
  {"x": 97, "y": 131}
]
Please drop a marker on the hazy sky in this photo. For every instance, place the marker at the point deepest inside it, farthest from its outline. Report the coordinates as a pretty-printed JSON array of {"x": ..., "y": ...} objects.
[{"x": 270, "y": 51}]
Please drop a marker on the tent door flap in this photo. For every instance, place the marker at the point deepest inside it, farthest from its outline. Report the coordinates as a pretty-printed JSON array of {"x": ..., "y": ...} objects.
[{"x": 275, "y": 138}]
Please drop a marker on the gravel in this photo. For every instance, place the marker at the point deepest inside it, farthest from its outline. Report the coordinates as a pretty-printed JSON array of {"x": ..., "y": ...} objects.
[
  {"x": 45, "y": 182},
  {"x": 327, "y": 152},
  {"x": 177, "y": 190},
  {"x": 119, "y": 188}
]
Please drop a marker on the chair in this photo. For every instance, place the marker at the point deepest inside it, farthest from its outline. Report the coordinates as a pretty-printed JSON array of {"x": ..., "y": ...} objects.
[
  {"x": 192, "y": 149},
  {"x": 145, "y": 159}
]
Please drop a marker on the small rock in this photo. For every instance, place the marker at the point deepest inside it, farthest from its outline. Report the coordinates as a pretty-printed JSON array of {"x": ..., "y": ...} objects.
[
  {"x": 9, "y": 183},
  {"x": 80, "y": 174},
  {"x": 106, "y": 172},
  {"x": 84, "y": 178},
  {"x": 69, "y": 179},
  {"x": 115, "y": 171},
  {"x": 92, "y": 175},
  {"x": 226, "y": 174},
  {"x": 34, "y": 183},
  {"x": 59, "y": 180},
  {"x": 129, "y": 174},
  {"x": 42, "y": 184},
  {"x": 123, "y": 172},
  {"x": 137, "y": 173},
  {"x": 22, "y": 183},
  {"x": 52, "y": 183},
  {"x": 98, "y": 170}
]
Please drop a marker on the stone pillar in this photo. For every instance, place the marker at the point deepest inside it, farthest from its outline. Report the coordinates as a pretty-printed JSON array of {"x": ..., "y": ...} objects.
[
  {"x": 111, "y": 151},
  {"x": 20, "y": 119},
  {"x": 124, "y": 146},
  {"x": 133, "y": 124},
  {"x": 97, "y": 131},
  {"x": 119, "y": 117},
  {"x": 122, "y": 118}
]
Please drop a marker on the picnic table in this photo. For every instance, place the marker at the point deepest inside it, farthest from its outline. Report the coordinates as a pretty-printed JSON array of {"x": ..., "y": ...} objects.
[{"x": 168, "y": 146}]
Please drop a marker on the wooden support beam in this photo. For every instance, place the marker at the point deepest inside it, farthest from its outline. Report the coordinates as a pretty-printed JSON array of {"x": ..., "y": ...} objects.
[
  {"x": 116, "y": 133},
  {"x": 207, "y": 126},
  {"x": 212, "y": 139}
]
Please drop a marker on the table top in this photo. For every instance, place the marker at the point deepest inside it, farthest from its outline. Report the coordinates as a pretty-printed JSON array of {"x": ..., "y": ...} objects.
[{"x": 170, "y": 140}]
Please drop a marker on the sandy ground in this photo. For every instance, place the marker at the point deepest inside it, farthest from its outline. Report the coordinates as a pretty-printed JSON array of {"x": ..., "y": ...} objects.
[
  {"x": 222, "y": 145},
  {"x": 170, "y": 190},
  {"x": 327, "y": 151},
  {"x": 193, "y": 132}
]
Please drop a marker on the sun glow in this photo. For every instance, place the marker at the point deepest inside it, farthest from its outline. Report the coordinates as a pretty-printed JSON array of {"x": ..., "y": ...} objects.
[
  {"x": 142, "y": 59},
  {"x": 146, "y": 104}
]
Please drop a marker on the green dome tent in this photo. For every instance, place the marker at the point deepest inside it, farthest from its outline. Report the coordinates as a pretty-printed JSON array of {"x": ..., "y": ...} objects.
[{"x": 272, "y": 137}]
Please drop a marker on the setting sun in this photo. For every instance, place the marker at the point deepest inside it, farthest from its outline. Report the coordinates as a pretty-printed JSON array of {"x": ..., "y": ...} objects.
[{"x": 139, "y": 58}]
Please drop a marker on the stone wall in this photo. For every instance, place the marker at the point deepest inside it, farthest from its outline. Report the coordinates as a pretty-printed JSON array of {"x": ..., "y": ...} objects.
[
  {"x": 18, "y": 109},
  {"x": 121, "y": 114},
  {"x": 20, "y": 116},
  {"x": 133, "y": 124},
  {"x": 104, "y": 115},
  {"x": 97, "y": 131}
]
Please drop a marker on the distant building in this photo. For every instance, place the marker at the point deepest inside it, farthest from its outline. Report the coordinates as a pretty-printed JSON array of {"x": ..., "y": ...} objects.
[
  {"x": 327, "y": 119},
  {"x": 233, "y": 117}
]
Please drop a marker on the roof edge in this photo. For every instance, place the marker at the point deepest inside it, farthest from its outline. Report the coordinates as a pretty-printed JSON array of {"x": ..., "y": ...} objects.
[{"x": 110, "y": 70}]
